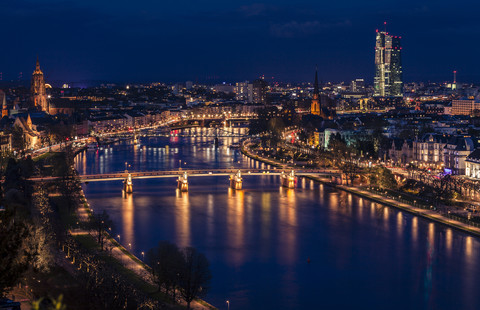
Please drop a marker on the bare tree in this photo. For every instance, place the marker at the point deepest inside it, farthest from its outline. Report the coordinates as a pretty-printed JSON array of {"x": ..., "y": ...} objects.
[
  {"x": 100, "y": 223},
  {"x": 195, "y": 276},
  {"x": 166, "y": 261}
]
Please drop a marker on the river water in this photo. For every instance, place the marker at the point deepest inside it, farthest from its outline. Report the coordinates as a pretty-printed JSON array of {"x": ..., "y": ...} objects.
[{"x": 273, "y": 248}]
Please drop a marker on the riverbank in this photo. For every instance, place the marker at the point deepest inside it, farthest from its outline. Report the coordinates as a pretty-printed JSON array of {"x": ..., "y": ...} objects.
[
  {"x": 130, "y": 266},
  {"x": 425, "y": 213}
]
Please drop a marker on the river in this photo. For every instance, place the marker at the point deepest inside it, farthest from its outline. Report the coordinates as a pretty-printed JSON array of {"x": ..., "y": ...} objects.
[{"x": 273, "y": 248}]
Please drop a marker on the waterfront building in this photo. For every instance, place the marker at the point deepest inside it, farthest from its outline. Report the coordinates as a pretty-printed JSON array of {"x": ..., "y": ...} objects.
[
  {"x": 455, "y": 154},
  {"x": 428, "y": 150},
  {"x": 104, "y": 123},
  {"x": 38, "y": 89},
  {"x": 472, "y": 165},
  {"x": 401, "y": 151},
  {"x": 388, "y": 66}
]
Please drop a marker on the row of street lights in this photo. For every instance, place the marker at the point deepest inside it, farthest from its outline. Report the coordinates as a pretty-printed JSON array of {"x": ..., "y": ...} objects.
[{"x": 130, "y": 247}]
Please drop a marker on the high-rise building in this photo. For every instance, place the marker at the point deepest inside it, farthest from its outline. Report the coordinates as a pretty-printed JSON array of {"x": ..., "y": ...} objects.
[
  {"x": 38, "y": 90},
  {"x": 260, "y": 91},
  {"x": 357, "y": 86},
  {"x": 315, "y": 105},
  {"x": 244, "y": 91},
  {"x": 388, "y": 66}
]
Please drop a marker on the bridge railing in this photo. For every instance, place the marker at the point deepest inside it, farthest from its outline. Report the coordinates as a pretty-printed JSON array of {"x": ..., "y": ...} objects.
[{"x": 194, "y": 172}]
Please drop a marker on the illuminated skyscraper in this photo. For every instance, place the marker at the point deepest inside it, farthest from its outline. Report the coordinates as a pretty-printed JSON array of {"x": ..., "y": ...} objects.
[{"x": 388, "y": 66}]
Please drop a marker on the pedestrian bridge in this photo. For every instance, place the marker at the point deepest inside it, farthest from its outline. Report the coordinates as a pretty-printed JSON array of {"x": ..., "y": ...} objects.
[{"x": 200, "y": 173}]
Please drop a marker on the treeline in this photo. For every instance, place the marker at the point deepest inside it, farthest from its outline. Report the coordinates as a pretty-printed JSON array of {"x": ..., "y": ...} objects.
[
  {"x": 184, "y": 270},
  {"x": 27, "y": 233}
]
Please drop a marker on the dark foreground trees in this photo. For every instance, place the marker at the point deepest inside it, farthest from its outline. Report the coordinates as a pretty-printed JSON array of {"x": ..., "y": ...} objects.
[
  {"x": 100, "y": 223},
  {"x": 14, "y": 254},
  {"x": 186, "y": 270},
  {"x": 195, "y": 276}
]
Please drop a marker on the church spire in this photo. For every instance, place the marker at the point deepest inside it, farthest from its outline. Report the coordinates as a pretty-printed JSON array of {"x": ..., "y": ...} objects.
[
  {"x": 4, "y": 106},
  {"x": 315, "y": 105},
  {"x": 315, "y": 86}
]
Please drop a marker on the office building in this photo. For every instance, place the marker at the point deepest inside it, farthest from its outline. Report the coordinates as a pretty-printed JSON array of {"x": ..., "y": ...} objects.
[{"x": 388, "y": 66}]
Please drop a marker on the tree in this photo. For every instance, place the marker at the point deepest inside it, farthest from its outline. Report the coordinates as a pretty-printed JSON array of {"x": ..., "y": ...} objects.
[
  {"x": 18, "y": 140},
  {"x": 276, "y": 127},
  {"x": 351, "y": 170},
  {"x": 195, "y": 275},
  {"x": 383, "y": 178},
  {"x": 338, "y": 147},
  {"x": 443, "y": 189},
  {"x": 166, "y": 262},
  {"x": 100, "y": 223},
  {"x": 14, "y": 255}
]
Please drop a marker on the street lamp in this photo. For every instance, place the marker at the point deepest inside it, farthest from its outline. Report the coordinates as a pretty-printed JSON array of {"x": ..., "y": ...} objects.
[
  {"x": 228, "y": 304},
  {"x": 118, "y": 238},
  {"x": 143, "y": 256},
  {"x": 130, "y": 245}
]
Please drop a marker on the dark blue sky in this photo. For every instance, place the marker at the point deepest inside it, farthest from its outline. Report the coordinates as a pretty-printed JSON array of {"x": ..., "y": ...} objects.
[{"x": 155, "y": 40}]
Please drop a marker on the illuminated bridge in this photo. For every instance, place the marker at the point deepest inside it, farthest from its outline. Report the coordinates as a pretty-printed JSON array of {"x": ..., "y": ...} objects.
[
  {"x": 198, "y": 173},
  {"x": 192, "y": 173}
]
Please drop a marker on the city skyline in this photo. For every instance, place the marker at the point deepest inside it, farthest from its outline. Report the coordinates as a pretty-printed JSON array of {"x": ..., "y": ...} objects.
[{"x": 231, "y": 42}]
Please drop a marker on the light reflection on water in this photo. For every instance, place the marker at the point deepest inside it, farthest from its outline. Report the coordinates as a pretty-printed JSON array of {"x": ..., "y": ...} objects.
[{"x": 259, "y": 240}]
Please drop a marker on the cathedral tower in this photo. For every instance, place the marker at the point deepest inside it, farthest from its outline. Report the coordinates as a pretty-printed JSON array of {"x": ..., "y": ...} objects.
[
  {"x": 39, "y": 93},
  {"x": 315, "y": 106},
  {"x": 4, "y": 105}
]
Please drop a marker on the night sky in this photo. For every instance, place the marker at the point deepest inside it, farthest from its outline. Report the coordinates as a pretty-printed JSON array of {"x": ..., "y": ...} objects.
[{"x": 130, "y": 41}]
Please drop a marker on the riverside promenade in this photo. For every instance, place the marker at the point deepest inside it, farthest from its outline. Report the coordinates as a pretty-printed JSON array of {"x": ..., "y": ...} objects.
[
  {"x": 126, "y": 258},
  {"x": 425, "y": 213}
]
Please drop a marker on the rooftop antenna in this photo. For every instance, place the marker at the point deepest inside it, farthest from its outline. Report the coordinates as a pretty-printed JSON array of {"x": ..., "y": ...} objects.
[
  {"x": 455, "y": 77},
  {"x": 385, "y": 26}
]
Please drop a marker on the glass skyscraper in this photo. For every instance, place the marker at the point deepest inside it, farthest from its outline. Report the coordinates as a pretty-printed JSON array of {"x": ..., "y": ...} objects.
[{"x": 388, "y": 66}]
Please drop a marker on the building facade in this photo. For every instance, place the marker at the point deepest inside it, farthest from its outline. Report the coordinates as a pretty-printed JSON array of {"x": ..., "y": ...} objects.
[
  {"x": 401, "y": 152},
  {"x": 456, "y": 152},
  {"x": 388, "y": 66},
  {"x": 464, "y": 107},
  {"x": 38, "y": 90},
  {"x": 472, "y": 165},
  {"x": 260, "y": 91},
  {"x": 428, "y": 151},
  {"x": 244, "y": 92}
]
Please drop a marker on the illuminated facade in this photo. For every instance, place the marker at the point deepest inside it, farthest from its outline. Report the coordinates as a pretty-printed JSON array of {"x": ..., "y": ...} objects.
[
  {"x": 315, "y": 105},
  {"x": 464, "y": 107},
  {"x": 4, "y": 104},
  {"x": 38, "y": 90},
  {"x": 388, "y": 66}
]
